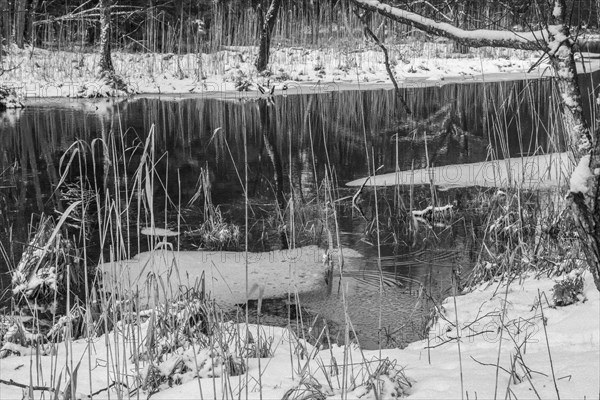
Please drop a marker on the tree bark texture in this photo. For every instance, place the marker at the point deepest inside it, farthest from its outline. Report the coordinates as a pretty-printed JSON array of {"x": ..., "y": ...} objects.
[
  {"x": 105, "y": 64},
  {"x": 20, "y": 14},
  {"x": 585, "y": 206},
  {"x": 268, "y": 24},
  {"x": 4, "y": 23}
]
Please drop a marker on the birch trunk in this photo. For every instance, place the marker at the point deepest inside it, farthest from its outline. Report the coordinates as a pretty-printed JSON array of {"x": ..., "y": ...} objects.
[{"x": 585, "y": 205}]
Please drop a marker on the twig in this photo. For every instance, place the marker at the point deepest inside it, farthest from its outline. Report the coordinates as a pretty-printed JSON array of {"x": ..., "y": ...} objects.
[
  {"x": 490, "y": 365},
  {"x": 525, "y": 370},
  {"x": 386, "y": 56},
  {"x": 458, "y": 334},
  {"x": 97, "y": 392},
  {"x": 355, "y": 197},
  {"x": 514, "y": 377},
  {"x": 547, "y": 343},
  {"x": 23, "y": 386},
  {"x": 502, "y": 316},
  {"x": 5, "y": 70}
]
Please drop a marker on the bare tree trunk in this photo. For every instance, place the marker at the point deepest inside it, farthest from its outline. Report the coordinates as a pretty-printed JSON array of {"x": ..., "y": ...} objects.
[
  {"x": 4, "y": 25},
  {"x": 105, "y": 64},
  {"x": 585, "y": 204},
  {"x": 562, "y": 59},
  {"x": 20, "y": 13},
  {"x": 268, "y": 24},
  {"x": 31, "y": 21},
  {"x": 460, "y": 20},
  {"x": 594, "y": 196},
  {"x": 314, "y": 17},
  {"x": 181, "y": 24}
]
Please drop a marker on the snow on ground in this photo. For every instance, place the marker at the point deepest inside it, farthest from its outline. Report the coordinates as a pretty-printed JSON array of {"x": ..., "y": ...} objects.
[
  {"x": 552, "y": 350},
  {"x": 543, "y": 171},
  {"x": 572, "y": 333},
  {"x": 270, "y": 275},
  {"x": 44, "y": 73}
]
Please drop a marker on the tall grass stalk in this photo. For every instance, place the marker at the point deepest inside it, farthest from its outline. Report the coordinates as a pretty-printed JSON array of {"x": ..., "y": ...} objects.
[
  {"x": 380, "y": 306},
  {"x": 244, "y": 133}
]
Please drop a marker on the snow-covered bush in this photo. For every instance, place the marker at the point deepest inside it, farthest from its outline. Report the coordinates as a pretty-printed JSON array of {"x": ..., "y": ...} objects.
[
  {"x": 108, "y": 84},
  {"x": 568, "y": 290},
  {"x": 9, "y": 99},
  {"x": 388, "y": 381},
  {"x": 187, "y": 365}
]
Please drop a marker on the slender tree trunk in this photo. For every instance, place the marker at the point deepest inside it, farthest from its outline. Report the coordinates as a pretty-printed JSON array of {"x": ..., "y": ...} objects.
[
  {"x": 315, "y": 25},
  {"x": 31, "y": 21},
  {"x": 594, "y": 196},
  {"x": 4, "y": 25},
  {"x": 460, "y": 20},
  {"x": 105, "y": 64},
  {"x": 148, "y": 42},
  {"x": 181, "y": 24},
  {"x": 20, "y": 14},
  {"x": 268, "y": 24}
]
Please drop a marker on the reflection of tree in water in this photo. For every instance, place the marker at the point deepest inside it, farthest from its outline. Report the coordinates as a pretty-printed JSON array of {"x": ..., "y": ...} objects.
[
  {"x": 443, "y": 134},
  {"x": 269, "y": 135}
]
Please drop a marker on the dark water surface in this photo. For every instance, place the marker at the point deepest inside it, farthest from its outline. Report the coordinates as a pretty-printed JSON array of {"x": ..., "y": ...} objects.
[{"x": 343, "y": 134}]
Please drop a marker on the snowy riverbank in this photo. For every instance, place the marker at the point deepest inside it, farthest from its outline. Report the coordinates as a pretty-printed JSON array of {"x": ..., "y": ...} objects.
[
  {"x": 511, "y": 342},
  {"x": 41, "y": 73}
]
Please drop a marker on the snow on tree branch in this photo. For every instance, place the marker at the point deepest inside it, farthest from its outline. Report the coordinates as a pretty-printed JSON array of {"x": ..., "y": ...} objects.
[{"x": 534, "y": 40}]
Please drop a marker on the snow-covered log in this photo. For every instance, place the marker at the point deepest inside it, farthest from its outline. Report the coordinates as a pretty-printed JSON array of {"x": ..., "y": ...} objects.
[{"x": 531, "y": 40}]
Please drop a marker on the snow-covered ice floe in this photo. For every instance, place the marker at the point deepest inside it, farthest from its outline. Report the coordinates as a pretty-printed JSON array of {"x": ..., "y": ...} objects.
[
  {"x": 531, "y": 172},
  {"x": 270, "y": 274}
]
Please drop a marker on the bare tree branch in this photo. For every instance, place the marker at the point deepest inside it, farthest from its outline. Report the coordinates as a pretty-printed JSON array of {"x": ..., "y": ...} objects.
[
  {"x": 386, "y": 56},
  {"x": 10, "y": 382},
  {"x": 536, "y": 40}
]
